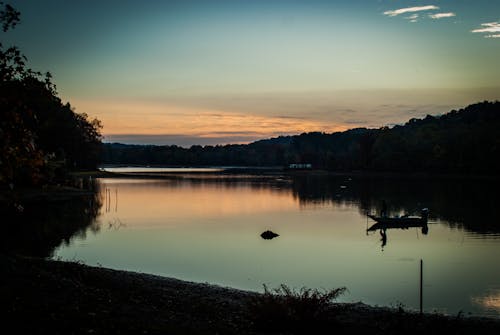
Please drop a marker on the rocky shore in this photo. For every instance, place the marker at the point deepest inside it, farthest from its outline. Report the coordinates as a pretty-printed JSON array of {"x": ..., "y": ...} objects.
[{"x": 53, "y": 297}]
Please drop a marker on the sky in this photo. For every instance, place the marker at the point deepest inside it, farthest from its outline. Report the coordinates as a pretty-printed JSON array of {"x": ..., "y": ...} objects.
[{"x": 217, "y": 72}]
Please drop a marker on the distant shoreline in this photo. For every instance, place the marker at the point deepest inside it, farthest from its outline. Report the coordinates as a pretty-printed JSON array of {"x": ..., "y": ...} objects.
[
  {"x": 58, "y": 192},
  {"x": 281, "y": 171}
]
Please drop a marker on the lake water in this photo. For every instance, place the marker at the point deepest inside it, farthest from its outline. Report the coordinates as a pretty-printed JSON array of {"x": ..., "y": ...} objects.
[
  {"x": 206, "y": 228},
  {"x": 136, "y": 169}
]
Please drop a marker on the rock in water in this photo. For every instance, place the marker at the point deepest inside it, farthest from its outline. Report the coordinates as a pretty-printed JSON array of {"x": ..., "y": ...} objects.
[{"x": 268, "y": 235}]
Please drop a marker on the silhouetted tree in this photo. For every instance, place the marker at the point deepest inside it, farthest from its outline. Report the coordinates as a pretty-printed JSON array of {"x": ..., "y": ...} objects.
[{"x": 39, "y": 135}]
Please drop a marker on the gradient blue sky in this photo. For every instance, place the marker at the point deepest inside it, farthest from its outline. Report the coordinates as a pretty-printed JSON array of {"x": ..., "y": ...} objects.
[{"x": 208, "y": 72}]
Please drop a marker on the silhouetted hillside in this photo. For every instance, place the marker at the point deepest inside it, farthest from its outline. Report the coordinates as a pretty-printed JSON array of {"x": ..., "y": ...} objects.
[{"x": 463, "y": 141}]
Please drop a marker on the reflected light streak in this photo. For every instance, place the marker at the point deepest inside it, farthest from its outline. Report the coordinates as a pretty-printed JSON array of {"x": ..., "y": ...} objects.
[
  {"x": 168, "y": 201},
  {"x": 491, "y": 301}
]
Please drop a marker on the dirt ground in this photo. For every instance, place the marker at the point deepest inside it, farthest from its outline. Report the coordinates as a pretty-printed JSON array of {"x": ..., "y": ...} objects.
[{"x": 53, "y": 297}]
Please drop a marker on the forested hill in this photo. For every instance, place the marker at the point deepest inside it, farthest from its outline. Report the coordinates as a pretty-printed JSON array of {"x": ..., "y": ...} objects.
[{"x": 463, "y": 141}]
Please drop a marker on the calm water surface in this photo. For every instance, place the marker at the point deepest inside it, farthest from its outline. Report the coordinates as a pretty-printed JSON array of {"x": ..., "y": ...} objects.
[
  {"x": 158, "y": 169},
  {"x": 207, "y": 229}
]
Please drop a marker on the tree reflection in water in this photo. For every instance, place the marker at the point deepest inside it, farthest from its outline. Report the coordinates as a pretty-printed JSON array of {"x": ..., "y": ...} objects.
[
  {"x": 36, "y": 227},
  {"x": 463, "y": 203},
  {"x": 43, "y": 225}
]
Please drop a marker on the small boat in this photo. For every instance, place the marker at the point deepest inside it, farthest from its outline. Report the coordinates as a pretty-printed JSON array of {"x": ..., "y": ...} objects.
[{"x": 402, "y": 222}]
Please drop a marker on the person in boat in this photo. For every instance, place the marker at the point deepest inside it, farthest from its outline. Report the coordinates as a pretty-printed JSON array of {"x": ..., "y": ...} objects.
[
  {"x": 383, "y": 211},
  {"x": 425, "y": 214}
]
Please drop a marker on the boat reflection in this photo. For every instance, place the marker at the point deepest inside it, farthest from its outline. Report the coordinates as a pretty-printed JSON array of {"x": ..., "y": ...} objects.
[{"x": 402, "y": 222}]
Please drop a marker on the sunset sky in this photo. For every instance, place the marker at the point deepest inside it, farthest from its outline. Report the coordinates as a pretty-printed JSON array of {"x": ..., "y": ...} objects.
[{"x": 215, "y": 72}]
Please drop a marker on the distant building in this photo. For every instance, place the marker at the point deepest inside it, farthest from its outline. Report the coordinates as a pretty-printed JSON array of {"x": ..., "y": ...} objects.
[{"x": 300, "y": 166}]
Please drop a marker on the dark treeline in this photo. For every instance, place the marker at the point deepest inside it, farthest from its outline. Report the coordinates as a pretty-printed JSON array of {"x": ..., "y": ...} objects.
[
  {"x": 464, "y": 141},
  {"x": 41, "y": 138}
]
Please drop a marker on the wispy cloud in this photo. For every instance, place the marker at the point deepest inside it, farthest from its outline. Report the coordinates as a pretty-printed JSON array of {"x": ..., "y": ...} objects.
[
  {"x": 490, "y": 28},
  {"x": 441, "y": 15},
  {"x": 412, "y": 18},
  {"x": 396, "y": 12}
]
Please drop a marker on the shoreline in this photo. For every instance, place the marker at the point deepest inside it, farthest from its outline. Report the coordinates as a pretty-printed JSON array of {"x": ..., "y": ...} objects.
[
  {"x": 60, "y": 297},
  {"x": 274, "y": 171},
  {"x": 64, "y": 192}
]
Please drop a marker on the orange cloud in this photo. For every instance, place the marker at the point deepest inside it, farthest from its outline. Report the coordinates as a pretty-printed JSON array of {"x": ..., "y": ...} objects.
[{"x": 146, "y": 118}]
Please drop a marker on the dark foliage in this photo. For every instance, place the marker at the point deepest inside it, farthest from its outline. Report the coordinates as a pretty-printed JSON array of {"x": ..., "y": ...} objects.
[
  {"x": 465, "y": 141},
  {"x": 9, "y": 17},
  {"x": 40, "y": 137}
]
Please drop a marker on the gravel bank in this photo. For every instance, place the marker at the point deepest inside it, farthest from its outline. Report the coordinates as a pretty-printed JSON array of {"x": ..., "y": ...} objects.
[{"x": 53, "y": 297}]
